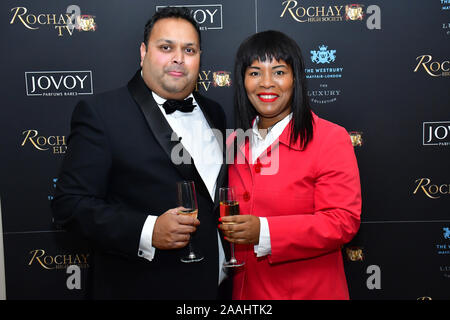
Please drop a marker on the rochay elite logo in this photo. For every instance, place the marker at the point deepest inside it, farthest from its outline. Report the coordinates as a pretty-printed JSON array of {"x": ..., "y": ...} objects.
[{"x": 57, "y": 144}]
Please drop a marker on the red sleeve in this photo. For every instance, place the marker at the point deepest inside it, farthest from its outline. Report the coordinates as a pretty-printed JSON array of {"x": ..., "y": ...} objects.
[{"x": 337, "y": 203}]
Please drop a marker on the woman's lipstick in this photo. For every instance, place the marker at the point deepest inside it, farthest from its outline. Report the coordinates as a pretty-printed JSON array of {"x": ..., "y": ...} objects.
[{"x": 267, "y": 96}]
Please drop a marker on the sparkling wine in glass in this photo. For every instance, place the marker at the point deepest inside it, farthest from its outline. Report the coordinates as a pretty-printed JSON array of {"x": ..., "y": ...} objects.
[
  {"x": 229, "y": 206},
  {"x": 187, "y": 199}
]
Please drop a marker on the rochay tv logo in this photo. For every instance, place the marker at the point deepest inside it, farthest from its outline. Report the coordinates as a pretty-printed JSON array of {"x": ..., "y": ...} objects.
[{"x": 63, "y": 23}]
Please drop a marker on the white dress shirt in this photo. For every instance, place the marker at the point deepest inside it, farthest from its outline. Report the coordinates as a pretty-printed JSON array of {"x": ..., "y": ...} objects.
[
  {"x": 258, "y": 146},
  {"x": 198, "y": 139}
]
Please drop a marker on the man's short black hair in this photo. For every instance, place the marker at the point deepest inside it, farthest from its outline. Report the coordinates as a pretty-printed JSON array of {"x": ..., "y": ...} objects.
[{"x": 171, "y": 12}]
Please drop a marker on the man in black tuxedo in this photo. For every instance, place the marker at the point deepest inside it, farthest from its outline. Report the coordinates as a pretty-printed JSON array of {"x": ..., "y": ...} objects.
[{"x": 117, "y": 185}]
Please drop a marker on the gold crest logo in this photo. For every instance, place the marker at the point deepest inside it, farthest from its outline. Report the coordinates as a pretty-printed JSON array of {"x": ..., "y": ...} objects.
[
  {"x": 86, "y": 23},
  {"x": 356, "y": 138},
  {"x": 354, "y": 253},
  {"x": 221, "y": 79},
  {"x": 354, "y": 12}
]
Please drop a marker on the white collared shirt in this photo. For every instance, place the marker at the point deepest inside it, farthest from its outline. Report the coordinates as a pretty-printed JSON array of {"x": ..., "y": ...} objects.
[
  {"x": 198, "y": 139},
  {"x": 258, "y": 146}
]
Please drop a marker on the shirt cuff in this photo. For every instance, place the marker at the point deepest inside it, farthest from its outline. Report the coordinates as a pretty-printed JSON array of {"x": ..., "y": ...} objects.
[
  {"x": 263, "y": 248},
  {"x": 146, "y": 250}
]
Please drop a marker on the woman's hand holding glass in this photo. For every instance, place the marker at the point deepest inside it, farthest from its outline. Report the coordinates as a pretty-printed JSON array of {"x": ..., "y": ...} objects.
[{"x": 243, "y": 230}]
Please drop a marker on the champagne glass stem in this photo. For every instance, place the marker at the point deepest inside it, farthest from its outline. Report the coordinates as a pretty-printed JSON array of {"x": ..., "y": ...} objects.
[
  {"x": 190, "y": 248},
  {"x": 232, "y": 252}
]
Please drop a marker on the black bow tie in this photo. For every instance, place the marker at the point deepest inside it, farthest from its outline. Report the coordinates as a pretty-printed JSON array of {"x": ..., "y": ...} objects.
[{"x": 170, "y": 106}]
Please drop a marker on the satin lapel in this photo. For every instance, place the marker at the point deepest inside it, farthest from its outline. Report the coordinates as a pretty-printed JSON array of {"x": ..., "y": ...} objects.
[{"x": 158, "y": 124}]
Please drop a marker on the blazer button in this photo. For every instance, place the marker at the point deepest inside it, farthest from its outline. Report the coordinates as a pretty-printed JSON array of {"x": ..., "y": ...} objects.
[
  {"x": 258, "y": 167},
  {"x": 246, "y": 196}
]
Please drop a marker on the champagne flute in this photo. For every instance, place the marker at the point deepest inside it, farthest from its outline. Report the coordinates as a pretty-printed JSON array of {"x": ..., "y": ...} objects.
[
  {"x": 188, "y": 200},
  {"x": 229, "y": 206}
]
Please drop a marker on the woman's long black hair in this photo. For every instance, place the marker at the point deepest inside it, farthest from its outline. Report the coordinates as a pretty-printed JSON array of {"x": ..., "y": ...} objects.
[{"x": 273, "y": 45}]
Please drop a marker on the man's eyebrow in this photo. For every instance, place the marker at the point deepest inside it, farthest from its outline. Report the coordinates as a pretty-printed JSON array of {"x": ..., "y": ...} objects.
[
  {"x": 164, "y": 40},
  {"x": 172, "y": 42}
]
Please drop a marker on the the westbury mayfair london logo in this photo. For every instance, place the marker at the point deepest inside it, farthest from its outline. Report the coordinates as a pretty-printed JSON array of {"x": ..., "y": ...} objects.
[
  {"x": 323, "y": 55},
  {"x": 324, "y": 69},
  {"x": 63, "y": 23}
]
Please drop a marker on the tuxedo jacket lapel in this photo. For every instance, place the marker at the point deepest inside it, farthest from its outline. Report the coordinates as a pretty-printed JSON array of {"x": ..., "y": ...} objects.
[
  {"x": 157, "y": 123},
  {"x": 163, "y": 132}
]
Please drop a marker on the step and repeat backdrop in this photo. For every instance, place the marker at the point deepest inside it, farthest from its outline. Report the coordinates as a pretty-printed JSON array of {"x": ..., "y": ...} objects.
[{"x": 379, "y": 68}]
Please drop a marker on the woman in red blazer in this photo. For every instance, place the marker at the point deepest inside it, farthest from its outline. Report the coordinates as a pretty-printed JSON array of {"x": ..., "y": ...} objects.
[{"x": 296, "y": 180}]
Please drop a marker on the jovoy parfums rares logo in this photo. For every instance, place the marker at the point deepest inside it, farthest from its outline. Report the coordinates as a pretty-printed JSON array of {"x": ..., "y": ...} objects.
[
  {"x": 208, "y": 16},
  {"x": 64, "y": 23},
  {"x": 436, "y": 133},
  {"x": 58, "y": 83}
]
